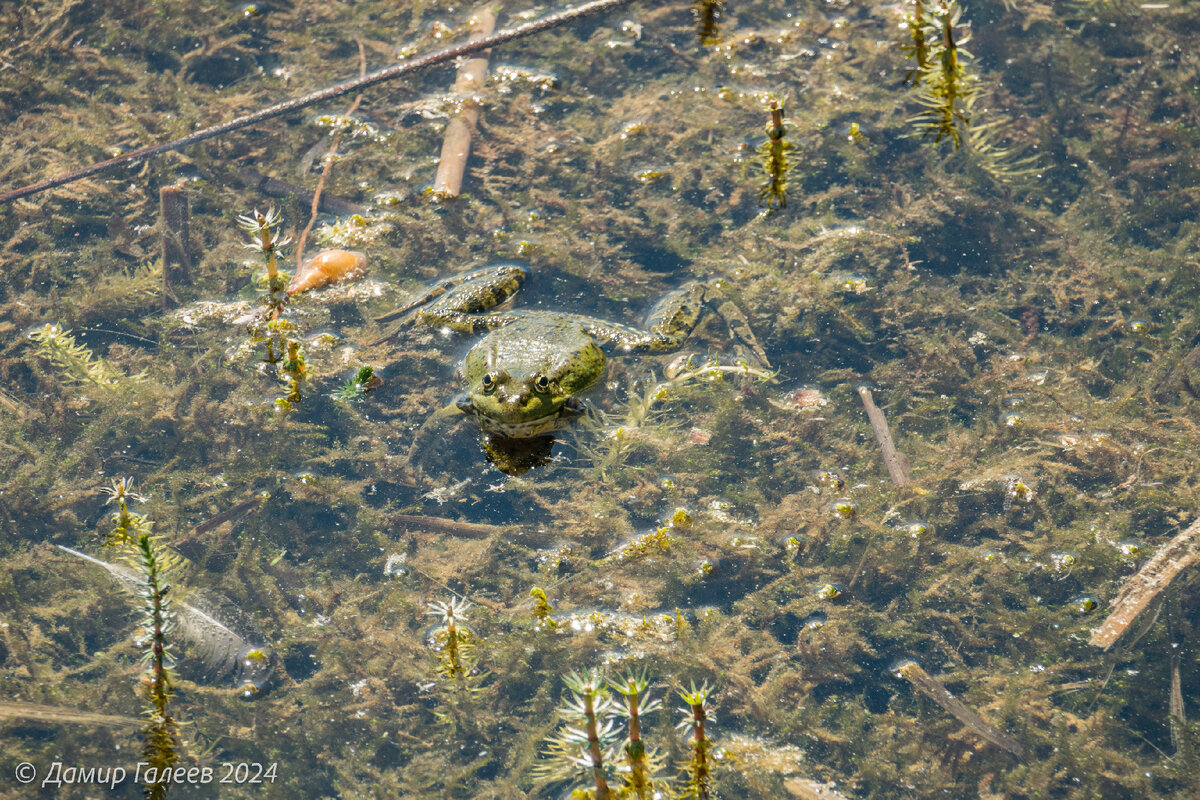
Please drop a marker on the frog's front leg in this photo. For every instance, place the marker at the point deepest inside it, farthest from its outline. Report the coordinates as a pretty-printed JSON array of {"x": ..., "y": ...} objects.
[{"x": 457, "y": 302}]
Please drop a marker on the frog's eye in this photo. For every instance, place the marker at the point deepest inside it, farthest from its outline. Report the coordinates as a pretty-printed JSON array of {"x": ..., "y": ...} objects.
[
  {"x": 541, "y": 384},
  {"x": 489, "y": 382}
]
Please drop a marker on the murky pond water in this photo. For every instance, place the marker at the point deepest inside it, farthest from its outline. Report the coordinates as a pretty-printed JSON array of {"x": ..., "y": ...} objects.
[{"x": 873, "y": 559}]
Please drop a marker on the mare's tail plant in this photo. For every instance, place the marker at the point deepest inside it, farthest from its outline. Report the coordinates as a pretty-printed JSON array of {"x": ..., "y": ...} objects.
[
  {"x": 696, "y": 770},
  {"x": 584, "y": 746},
  {"x": 131, "y": 534},
  {"x": 454, "y": 642},
  {"x": 639, "y": 762},
  {"x": 773, "y": 156},
  {"x": 283, "y": 349},
  {"x": 945, "y": 85},
  {"x": 160, "y": 737},
  {"x": 707, "y": 14}
]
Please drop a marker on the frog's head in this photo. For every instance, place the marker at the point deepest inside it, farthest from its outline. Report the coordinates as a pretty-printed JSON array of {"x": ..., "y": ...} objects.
[{"x": 524, "y": 397}]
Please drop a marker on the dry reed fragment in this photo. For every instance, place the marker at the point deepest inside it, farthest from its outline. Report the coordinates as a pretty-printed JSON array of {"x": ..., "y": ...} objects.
[
  {"x": 457, "y": 143},
  {"x": 927, "y": 685},
  {"x": 897, "y": 464},
  {"x": 1140, "y": 590},
  {"x": 173, "y": 233}
]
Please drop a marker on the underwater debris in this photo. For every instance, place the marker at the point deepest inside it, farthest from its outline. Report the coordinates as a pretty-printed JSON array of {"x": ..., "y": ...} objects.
[
  {"x": 806, "y": 789},
  {"x": 897, "y": 464},
  {"x": 326, "y": 267},
  {"x": 213, "y": 644},
  {"x": 472, "y": 73},
  {"x": 1144, "y": 587},
  {"x": 931, "y": 688},
  {"x": 173, "y": 236},
  {"x": 43, "y": 713},
  {"x": 288, "y": 106}
]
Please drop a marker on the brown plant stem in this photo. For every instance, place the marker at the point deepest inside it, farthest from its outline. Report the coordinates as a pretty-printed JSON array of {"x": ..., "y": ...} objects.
[
  {"x": 333, "y": 146},
  {"x": 255, "y": 181},
  {"x": 457, "y": 143},
  {"x": 324, "y": 95},
  {"x": 897, "y": 464}
]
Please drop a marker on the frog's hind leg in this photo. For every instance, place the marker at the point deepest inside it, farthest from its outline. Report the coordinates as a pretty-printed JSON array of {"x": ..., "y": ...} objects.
[
  {"x": 673, "y": 318},
  {"x": 738, "y": 325},
  {"x": 455, "y": 302}
]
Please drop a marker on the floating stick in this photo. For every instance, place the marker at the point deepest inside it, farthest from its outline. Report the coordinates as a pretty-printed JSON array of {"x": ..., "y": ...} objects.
[
  {"x": 288, "y": 106},
  {"x": 1140, "y": 590}
]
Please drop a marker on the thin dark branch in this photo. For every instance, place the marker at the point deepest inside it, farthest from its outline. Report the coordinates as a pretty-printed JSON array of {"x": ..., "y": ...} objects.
[{"x": 287, "y": 107}]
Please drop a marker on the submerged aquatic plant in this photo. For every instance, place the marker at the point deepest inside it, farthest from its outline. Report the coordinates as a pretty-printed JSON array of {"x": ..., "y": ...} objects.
[
  {"x": 127, "y": 526},
  {"x": 707, "y": 14},
  {"x": 160, "y": 737},
  {"x": 697, "y": 769},
  {"x": 773, "y": 157},
  {"x": 454, "y": 641},
  {"x": 639, "y": 763},
  {"x": 267, "y": 240},
  {"x": 295, "y": 373},
  {"x": 76, "y": 363},
  {"x": 364, "y": 380},
  {"x": 578, "y": 751},
  {"x": 944, "y": 83}
]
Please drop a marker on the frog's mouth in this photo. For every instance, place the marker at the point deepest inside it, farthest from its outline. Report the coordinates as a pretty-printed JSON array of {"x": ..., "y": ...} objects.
[{"x": 523, "y": 428}]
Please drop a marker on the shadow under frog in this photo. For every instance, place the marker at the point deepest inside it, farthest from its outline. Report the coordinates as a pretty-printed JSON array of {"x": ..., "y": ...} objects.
[{"x": 523, "y": 380}]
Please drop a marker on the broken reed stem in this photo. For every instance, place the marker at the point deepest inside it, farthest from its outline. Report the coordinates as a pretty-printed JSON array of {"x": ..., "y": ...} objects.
[
  {"x": 924, "y": 683},
  {"x": 897, "y": 464},
  {"x": 457, "y": 144},
  {"x": 333, "y": 146},
  {"x": 173, "y": 235},
  {"x": 1140, "y": 590},
  {"x": 324, "y": 95}
]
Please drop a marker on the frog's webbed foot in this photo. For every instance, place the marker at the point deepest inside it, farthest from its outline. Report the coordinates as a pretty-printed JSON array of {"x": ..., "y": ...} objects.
[
  {"x": 456, "y": 302},
  {"x": 735, "y": 320}
]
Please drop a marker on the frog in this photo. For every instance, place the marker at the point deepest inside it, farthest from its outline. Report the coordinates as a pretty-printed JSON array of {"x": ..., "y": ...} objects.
[{"x": 524, "y": 378}]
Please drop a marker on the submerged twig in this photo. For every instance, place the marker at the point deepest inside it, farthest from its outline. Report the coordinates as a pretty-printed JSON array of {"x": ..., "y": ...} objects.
[
  {"x": 1140, "y": 590},
  {"x": 931, "y": 688},
  {"x": 897, "y": 464},
  {"x": 334, "y": 141},
  {"x": 469, "y": 530},
  {"x": 41, "y": 713},
  {"x": 457, "y": 144},
  {"x": 173, "y": 232},
  {"x": 331, "y": 93}
]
